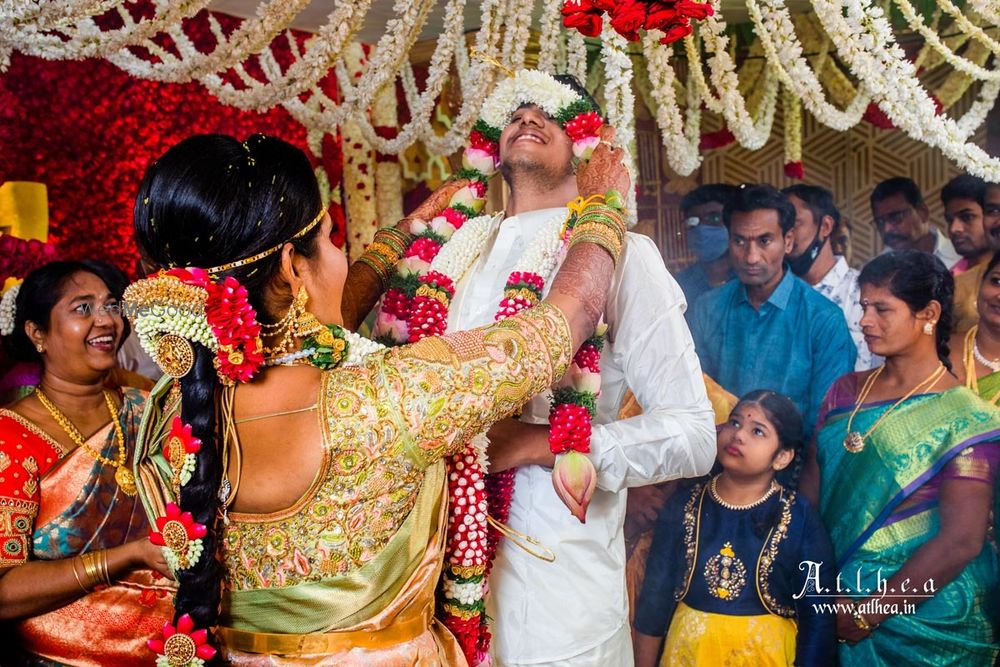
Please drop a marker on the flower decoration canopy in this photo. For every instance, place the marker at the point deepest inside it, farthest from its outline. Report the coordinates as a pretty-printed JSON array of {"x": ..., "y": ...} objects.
[{"x": 869, "y": 75}]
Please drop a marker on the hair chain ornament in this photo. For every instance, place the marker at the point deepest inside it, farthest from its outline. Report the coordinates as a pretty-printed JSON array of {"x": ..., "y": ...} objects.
[{"x": 215, "y": 270}]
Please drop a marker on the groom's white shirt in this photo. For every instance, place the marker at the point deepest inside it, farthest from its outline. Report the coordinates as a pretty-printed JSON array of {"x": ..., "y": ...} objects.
[{"x": 575, "y": 610}]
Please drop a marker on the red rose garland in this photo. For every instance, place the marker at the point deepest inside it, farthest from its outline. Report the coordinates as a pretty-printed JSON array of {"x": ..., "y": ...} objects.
[
  {"x": 19, "y": 257},
  {"x": 627, "y": 17}
]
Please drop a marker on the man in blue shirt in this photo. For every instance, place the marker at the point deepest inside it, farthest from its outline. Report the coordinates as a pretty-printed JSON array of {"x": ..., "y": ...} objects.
[
  {"x": 768, "y": 329},
  {"x": 707, "y": 239}
]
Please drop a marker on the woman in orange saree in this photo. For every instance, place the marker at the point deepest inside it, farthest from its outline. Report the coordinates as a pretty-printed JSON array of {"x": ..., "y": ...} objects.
[{"x": 78, "y": 579}]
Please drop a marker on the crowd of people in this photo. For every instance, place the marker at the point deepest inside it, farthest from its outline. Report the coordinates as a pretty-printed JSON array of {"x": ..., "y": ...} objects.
[{"x": 794, "y": 461}]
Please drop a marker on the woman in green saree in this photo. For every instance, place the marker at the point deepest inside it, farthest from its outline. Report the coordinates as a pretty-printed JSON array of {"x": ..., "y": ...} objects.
[{"x": 903, "y": 468}]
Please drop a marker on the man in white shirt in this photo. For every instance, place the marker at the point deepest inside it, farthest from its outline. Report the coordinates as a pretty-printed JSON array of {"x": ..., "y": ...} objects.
[
  {"x": 812, "y": 259},
  {"x": 574, "y": 611},
  {"x": 901, "y": 218}
]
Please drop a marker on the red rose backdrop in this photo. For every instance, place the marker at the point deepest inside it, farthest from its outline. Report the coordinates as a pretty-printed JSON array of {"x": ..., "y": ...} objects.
[{"x": 87, "y": 131}]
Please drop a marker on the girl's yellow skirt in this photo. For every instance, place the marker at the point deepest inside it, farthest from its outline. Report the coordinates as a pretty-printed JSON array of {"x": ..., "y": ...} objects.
[{"x": 699, "y": 638}]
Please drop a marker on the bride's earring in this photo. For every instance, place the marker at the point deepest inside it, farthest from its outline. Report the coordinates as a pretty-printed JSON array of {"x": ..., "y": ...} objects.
[{"x": 297, "y": 322}]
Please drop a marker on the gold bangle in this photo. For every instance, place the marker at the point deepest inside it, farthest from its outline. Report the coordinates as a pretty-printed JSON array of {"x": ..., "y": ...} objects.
[
  {"x": 92, "y": 568},
  {"x": 76, "y": 574},
  {"x": 600, "y": 236},
  {"x": 380, "y": 271},
  {"x": 104, "y": 566}
]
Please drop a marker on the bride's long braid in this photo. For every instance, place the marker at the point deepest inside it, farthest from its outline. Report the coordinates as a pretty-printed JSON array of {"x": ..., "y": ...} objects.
[{"x": 210, "y": 200}]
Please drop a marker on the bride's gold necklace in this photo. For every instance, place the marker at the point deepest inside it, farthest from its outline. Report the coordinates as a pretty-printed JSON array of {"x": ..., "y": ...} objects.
[
  {"x": 855, "y": 442},
  {"x": 123, "y": 476}
]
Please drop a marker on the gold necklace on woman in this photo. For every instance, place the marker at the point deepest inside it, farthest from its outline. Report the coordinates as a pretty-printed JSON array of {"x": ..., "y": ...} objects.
[
  {"x": 855, "y": 442},
  {"x": 714, "y": 492},
  {"x": 970, "y": 356},
  {"x": 123, "y": 476}
]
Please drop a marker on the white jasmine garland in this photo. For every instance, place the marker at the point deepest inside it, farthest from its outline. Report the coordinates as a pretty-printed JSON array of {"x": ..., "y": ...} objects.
[
  {"x": 359, "y": 348},
  {"x": 8, "y": 310},
  {"x": 750, "y": 133},
  {"x": 867, "y": 45},
  {"x": 621, "y": 103},
  {"x": 458, "y": 254},
  {"x": 551, "y": 33},
  {"x": 87, "y": 40},
  {"x": 773, "y": 25},
  {"x": 988, "y": 9},
  {"x": 680, "y": 139},
  {"x": 252, "y": 36},
  {"x": 930, "y": 36},
  {"x": 577, "y": 55},
  {"x": 962, "y": 22}
]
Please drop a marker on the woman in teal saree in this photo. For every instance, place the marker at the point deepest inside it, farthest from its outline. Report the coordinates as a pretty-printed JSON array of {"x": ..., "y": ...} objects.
[{"x": 903, "y": 468}]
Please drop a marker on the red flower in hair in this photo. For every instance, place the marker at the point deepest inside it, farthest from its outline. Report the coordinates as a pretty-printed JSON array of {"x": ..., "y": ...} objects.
[{"x": 182, "y": 645}]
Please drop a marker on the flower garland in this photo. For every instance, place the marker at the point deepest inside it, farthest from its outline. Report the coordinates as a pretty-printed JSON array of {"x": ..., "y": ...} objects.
[
  {"x": 987, "y": 9},
  {"x": 8, "y": 310},
  {"x": 416, "y": 306},
  {"x": 884, "y": 68},
  {"x": 679, "y": 138},
  {"x": 730, "y": 104},
  {"x": 968, "y": 27},
  {"x": 773, "y": 25},
  {"x": 214, "y": 313},
  {"x": 792, "y": 107},
  {"x": 931, "y": 37},
  {"x": 388, "y": 174},
  {"x": 626, "y": 17},
  {"x": 548, "y": 47},
  {"x": 620, "y": 102},
  {"x": 359, "y": 171}
]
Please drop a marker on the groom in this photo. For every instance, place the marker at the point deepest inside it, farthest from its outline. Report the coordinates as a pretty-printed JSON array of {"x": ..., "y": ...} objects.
[{"x": 574, "y": 611}]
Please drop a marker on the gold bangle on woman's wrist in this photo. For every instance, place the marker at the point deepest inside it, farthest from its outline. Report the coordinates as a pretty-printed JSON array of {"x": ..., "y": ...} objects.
[{"x": 72, "y": 564}]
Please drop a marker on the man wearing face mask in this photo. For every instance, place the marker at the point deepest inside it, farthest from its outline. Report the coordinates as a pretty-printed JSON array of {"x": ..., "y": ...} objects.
[
  {"x": 812, "y": 259},
  {"x": 707, "y": 239}
]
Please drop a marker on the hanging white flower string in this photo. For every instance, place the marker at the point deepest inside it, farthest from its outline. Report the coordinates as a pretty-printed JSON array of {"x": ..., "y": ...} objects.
[
  {"x": 773, "y": 25},
  {"x": 879, "y": 62},
  {"x": 679, "y": 139}
]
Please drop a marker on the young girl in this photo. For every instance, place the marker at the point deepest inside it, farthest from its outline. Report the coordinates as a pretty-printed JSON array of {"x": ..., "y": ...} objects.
[{"x": 728, "y": 566}]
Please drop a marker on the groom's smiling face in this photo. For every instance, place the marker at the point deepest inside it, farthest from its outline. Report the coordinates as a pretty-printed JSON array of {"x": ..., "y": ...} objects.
[{"x": 533, "y": 141}]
